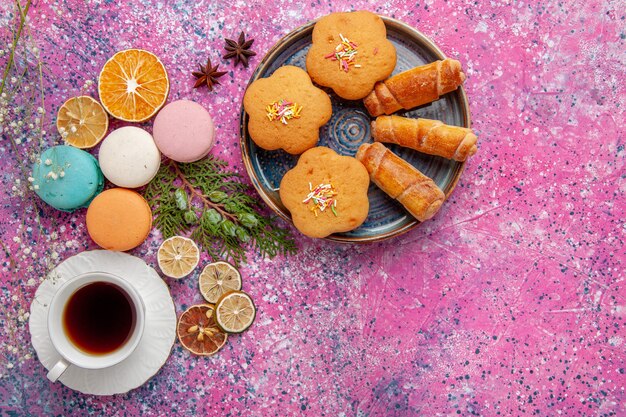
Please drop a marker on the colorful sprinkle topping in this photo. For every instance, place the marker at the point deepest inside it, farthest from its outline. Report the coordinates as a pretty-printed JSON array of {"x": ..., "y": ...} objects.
[
  {"x": 323, "y": 197},
  {"x": 345, "y": 53},
  {"x": 283, "y": 110}
]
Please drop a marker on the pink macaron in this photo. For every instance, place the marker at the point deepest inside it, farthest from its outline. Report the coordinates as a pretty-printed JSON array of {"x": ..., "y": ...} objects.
[{"x": 184, "y": 131}]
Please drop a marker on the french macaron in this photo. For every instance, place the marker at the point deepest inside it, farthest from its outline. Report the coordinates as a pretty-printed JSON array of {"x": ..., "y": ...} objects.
[
  {"x": 119, "y": 219},
  {"x": 129, "y": 157},
  {"x": 67, "y": 178},
  {"x": 184, "y": 131}
]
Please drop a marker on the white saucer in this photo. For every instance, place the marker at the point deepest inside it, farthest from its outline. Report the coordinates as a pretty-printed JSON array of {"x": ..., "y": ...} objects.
[{"x": 159, "y": 333}]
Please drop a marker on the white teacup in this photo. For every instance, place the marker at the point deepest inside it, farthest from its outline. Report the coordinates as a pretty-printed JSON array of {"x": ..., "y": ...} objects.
[{"x": 72, "y": 354}]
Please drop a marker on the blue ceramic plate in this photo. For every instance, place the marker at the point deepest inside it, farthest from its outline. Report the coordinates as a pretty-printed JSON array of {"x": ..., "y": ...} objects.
[{"x": 349, "y": 127}]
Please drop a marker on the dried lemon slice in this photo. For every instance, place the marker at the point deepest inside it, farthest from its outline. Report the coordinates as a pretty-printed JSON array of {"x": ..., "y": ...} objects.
[
  {"x": 198, "y": 332},
  {"x": 218, "y": 278},
  {"x": 133, "y": 85},
  {"x": 235, "y": 312},
  {"x": 82, "y": 122},
  {"x": 178, "y": 256}
]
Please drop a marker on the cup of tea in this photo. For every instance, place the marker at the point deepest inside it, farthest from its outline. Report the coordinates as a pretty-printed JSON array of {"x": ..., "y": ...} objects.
[{"x": 95, "y": 320}]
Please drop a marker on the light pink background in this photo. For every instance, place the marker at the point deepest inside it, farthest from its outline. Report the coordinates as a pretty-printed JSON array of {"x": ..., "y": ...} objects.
[{"x": 510, "y": 302}]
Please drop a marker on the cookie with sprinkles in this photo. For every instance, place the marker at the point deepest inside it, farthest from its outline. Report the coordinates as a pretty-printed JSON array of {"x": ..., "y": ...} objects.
[
  {"x": 326, "y": 193},
  {"x": 350, "y": 52},
  {"x": 286, "y": 110}
]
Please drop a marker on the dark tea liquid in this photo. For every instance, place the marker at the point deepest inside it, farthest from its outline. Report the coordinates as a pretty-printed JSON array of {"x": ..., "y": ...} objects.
[{"x": 99, "y": 318}]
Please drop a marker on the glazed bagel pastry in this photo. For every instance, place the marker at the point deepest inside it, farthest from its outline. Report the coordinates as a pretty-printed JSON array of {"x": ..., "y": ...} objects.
[
  {"x": 350, "y": 52},
  {"x": 401, "y": 181},
  {"x": 428, "y": 136},
  {"x": 286, "y": 110},
  {"x": 415, "y": 87},
  {"x": 326, "y": 193}
]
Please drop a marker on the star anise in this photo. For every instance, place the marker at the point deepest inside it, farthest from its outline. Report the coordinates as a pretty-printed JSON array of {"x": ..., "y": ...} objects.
[
  {"x": 207, "y": 75},
  {"x": 239, "y": 50}
]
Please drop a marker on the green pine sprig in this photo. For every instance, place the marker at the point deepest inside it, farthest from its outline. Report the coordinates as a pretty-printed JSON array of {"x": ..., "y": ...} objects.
[{"x": 210, "y": 203}]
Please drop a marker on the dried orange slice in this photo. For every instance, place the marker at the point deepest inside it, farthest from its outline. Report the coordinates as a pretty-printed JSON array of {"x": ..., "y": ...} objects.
[
  {"x": 235, "y": 312},
  {"x": 133, "y": 85},
  {"x": 82, "y": 122},
  {"x": 198, "y": 332},
  {"x": 218, "y": 278},
  {"x": 178, "y": 256}
]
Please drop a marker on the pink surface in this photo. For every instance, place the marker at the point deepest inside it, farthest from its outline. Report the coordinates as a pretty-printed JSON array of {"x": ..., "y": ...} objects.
[
  {"x": 184, "y": 131},
  {"x": 511, "y": 301}
]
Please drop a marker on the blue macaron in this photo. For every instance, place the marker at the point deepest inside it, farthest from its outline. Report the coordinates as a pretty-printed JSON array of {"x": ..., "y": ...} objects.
[{"x": 67, "y": 178}]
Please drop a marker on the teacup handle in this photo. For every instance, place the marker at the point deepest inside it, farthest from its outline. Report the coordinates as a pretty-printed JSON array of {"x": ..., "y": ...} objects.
[{"x": 57, "y": 370}]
